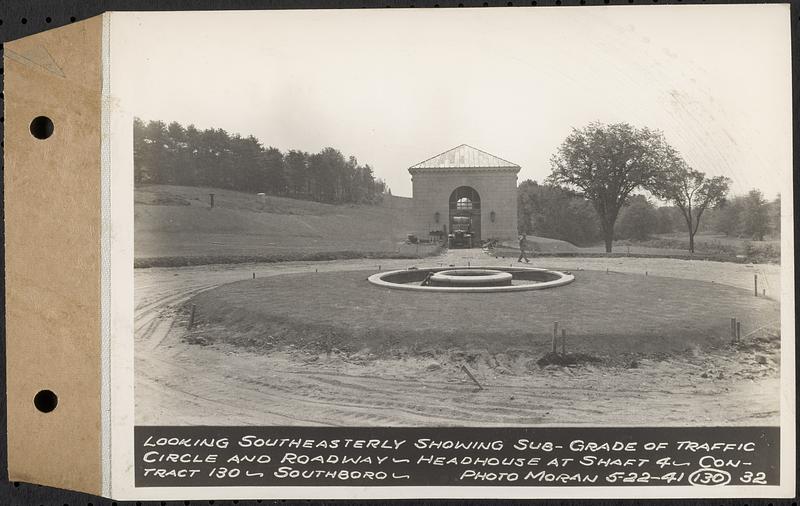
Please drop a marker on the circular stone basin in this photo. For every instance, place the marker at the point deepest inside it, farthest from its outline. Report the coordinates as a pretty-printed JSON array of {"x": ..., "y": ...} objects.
[
  {"x": 472, "y": 280},
  {"x": 471, "y": 277}
]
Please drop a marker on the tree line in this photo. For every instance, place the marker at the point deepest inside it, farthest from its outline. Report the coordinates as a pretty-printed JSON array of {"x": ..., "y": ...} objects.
[
  {"x": 602, "y": 182},
  {"x": 178, "y": 155},
  {"x": 551, "y": 211}
]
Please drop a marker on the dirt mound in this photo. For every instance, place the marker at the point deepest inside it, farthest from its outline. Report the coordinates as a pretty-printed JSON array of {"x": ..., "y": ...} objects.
[{"x": 565, "y": 359}]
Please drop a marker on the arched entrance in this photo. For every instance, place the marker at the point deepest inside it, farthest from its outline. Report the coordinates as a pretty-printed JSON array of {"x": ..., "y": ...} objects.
[{"x": 465, "y": 217}]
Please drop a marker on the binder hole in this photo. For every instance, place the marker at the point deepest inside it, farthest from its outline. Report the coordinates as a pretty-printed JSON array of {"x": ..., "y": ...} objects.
[
  {"x": 41, "y": 127},
  {"x": 45, "y": 401}
]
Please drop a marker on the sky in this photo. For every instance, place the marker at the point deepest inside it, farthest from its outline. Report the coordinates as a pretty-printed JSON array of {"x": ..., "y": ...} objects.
[{"x": 393, "y": 87}]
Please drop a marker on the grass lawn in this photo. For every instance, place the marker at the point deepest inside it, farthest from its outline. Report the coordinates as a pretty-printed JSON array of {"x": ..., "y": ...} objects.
[
  {"x": 175, "y": 225},
  {"x": 604, "y": 315}
]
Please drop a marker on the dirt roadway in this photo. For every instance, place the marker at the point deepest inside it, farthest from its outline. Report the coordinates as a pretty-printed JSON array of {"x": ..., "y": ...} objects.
[{"x": 177, "y": 383}]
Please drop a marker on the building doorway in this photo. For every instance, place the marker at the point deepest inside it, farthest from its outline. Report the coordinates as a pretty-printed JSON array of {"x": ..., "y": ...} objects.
[{"x": 465, "y": 218}]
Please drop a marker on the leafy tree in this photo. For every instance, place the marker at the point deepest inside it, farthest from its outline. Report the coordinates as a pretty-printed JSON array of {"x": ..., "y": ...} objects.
[
  {"x": 172, "y": 154},
  {"x": 274, "y": 177},
  {"x": 550, "y": 211},
  {"x": 729, "y": 216},
  {"x": 669, "y": 218},
  {"x": 638, "y": 219},
  {"x": 606, "y": 163},
  {"x": 691, "y": 192},
  {"x": 296, "y": 165},
  {"x": 141, "y": 166},
  {"x": 756, "y": 215},
  {"x": 324, "y": 169},
  {"x": 775, "y": 215}
]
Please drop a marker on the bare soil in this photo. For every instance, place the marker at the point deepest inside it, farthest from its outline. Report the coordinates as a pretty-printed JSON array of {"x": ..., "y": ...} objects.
[
  {"x": 183, "y": 382},
  {"x": 614, "y": 316}
]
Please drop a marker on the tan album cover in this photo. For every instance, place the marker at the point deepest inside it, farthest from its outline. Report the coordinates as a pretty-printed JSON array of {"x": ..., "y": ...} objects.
[{"x": 403, "y": 253}]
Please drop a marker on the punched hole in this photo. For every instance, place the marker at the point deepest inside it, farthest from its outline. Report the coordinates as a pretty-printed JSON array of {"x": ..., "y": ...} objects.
[
  {"x": 45, "y": 401},
  {"x": 42, "y": 127}
]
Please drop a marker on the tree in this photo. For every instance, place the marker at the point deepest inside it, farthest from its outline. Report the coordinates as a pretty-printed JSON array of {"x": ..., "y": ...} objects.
[
  {"x": 775, "y": 215},
  {"x": 756, "y": 215},
  {"x": 669, "y": 218},
  {"x": 550, "y": 211},
  {"x": 691, "y": 192},
  {"x": 608, "y": 162},
  {"x": 141, "y": 166},
  {"x": 172, "y": 154},
  {"x": 296, "y": 165},
  {"x": 729, "y": 216},
  {"x": 274, "y": 177},
  {"x": 324, "y": 169},
  {"x": 638, "y": 219}
]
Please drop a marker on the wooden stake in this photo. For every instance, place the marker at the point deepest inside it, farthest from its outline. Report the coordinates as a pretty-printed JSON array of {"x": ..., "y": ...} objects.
[
  {"x": 464, "y": 368},
  {"x": 191, "y": 317},
  {"x": 738, "y": 331},
  {"x": 555, "y": 336},
  {"x": 563, "y": 341},
  {"x": 733, "y": 330},
  {"x": 254, "y": 275},
  {"x": 755, "y": 285}
]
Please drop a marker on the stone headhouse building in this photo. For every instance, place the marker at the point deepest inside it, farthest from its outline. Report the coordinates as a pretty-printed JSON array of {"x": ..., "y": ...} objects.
[{"x": 465, "y": 187}]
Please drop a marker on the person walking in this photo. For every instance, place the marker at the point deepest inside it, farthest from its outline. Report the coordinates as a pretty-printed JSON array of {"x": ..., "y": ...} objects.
[{"x": 523, "y": 244}]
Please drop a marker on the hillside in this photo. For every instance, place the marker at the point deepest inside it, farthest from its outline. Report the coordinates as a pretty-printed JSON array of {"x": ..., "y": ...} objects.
[{"x": 178, "y": 221}]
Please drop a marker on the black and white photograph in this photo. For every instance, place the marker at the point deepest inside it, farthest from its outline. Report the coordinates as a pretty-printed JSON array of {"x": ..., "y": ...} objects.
[
  {"x": 396, "y": 252},
  {"x": 485, "y": 219},
  {"x": 474, "y": 218}
]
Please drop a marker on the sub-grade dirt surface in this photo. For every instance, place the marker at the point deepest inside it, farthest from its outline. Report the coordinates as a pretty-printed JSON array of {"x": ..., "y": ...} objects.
[
  {"x": 179, "y": 383},
  {"x": 616, "y": 316}
]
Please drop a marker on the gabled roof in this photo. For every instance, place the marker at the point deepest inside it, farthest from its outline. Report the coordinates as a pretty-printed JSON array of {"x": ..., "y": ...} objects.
[{"x": 464, "y": 156}]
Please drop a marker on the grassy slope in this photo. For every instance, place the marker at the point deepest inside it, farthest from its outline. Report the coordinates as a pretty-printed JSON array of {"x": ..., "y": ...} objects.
[
  {"x": 707, "y": 246},
  {"x": 175, "y": 226},
  {"x": 176, "y": 221}
]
